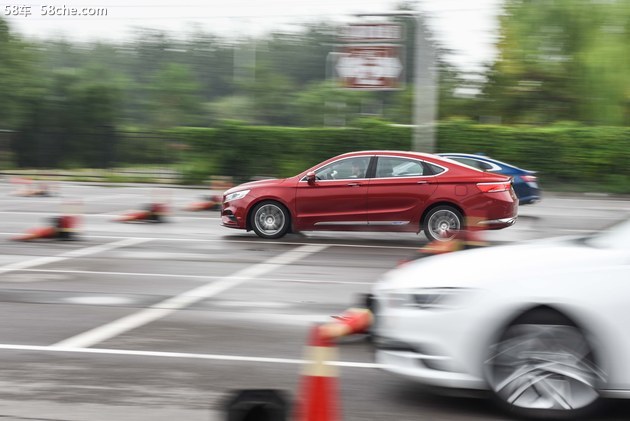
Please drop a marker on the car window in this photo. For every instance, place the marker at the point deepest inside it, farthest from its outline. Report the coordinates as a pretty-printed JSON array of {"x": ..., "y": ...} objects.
[
  {"x": 434, "y": 169},
  {"x": 398, "y": 167},
  {"x": 344, "y": 169},
  {"x": 471, "y": 163}
]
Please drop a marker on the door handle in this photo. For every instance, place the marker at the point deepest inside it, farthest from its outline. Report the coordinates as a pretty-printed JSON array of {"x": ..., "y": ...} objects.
[
  {"x": 422, "y": 182},
  {"x": 353, "y": 184}
]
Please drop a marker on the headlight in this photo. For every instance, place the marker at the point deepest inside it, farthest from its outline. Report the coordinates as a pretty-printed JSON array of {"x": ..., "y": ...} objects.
[
  {"x": 428, "y": 298},
  {"x": 237, "y": 195}
]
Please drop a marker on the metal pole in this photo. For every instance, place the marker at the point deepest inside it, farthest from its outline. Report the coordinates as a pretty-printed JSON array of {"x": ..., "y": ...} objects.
[
  {"x": 425, "y": 98},
  {"x": 424, "y": 83}
]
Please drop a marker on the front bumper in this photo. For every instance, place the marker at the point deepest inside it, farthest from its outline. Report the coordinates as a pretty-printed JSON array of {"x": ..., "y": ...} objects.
[
  {"x": 431, "y": 347},
  {"x": 234, "y": 213},
  {"x": 425, "y": 369}
]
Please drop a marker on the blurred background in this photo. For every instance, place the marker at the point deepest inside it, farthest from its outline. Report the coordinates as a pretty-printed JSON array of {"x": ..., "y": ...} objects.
[{"x": 153, "y": 91}]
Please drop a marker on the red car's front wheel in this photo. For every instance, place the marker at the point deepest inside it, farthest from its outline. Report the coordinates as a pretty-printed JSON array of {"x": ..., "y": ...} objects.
[{"x": 270, "y": 220}]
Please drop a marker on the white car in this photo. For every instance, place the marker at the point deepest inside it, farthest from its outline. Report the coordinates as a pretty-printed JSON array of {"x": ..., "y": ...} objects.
[{"x": 544, "y": 325}]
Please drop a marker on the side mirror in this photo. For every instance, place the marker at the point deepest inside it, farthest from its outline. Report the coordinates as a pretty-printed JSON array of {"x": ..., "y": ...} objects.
[{"x": 310, "y": 177}]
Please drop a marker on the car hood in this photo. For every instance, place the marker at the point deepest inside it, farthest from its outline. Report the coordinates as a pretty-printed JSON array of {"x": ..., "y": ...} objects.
[
  {"x": 480, "y": 268},
  {"x": 256, "y": 184}
]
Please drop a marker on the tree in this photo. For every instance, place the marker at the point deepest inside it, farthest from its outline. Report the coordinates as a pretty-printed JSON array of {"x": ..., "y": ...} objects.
[
  {"x": 174, "y": 96},
  {"x": 18, "y": 77},
  {"x": 573, "y": 66}
]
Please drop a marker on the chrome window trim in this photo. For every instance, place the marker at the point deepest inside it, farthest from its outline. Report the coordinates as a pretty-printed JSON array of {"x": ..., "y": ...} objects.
[
  {"x": 388, "y": 223},
  {"x": 409, "y": 176},
  {"x": 494, "y": 166},
  {"x": 341, "y": 223},
  {"x": 446, "y": 169}
]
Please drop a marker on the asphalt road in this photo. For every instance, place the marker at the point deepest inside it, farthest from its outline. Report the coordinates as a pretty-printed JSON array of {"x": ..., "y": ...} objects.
[{"x": 163, "y": 321}]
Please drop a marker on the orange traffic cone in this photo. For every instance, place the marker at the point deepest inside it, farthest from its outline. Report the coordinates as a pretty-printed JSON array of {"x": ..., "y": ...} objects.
[
  {"x": 23, "y": 186},
  {"x": 351, "y": 321},
  {"x": 441, "y": 247},
  {"x": 153, "y": 212},
  {"x": 61, "y": 228},
  {"x": 318, "y": 398},
  {"x": 473, "y": 236},
  {"x": 211, "y": 203}
]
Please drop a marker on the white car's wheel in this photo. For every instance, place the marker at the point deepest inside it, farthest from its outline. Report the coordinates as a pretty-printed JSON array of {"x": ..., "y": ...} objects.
[
  {"x": 270, "y": 220},
  {"x": 542, "y": 366}
]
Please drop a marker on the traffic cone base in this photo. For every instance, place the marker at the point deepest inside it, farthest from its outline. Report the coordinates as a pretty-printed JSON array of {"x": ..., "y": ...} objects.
[{"x": 36, "y": 233}]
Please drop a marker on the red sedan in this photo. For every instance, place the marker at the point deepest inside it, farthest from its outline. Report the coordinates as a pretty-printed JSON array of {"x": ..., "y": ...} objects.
[{"x": 374, "y": 191}]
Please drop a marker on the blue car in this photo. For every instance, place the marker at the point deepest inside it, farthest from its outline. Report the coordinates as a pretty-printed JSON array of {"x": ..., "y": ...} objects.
[{"x": 525, "y": 182}]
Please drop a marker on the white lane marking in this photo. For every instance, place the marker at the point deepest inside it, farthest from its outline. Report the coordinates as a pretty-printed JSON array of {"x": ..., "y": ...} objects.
[
  {"x": 107, "y": 215},
  {"x": 99, "y": 300},
  {"x": 70, "y": 254},
  {"x": 253, "y": 304},
  {"x": 259, "y": 242},
  {"x": 185, "y": 299},
  {"x": 23, "y": 199},
  {"x": 100, "y": 214},
  {"x": 201, "y": 277},
  {"x": 219, "y": 357}
]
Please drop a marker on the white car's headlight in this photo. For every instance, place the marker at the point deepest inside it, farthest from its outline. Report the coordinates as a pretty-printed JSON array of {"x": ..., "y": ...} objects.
[
  {"x": 428, "y": 298},
  {"x": 236, "y": 195}
]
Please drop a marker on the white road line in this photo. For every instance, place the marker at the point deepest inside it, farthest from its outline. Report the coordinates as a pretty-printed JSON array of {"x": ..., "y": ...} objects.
[
  {"x": 168, "y": 306},
  {"x": 219, "y": 357},
  {"x": 22, "y": 199},
  {"x": 201, "y": 277},
  {"x": 219, "y": 240},
  {"x": 70, "y": 254}
]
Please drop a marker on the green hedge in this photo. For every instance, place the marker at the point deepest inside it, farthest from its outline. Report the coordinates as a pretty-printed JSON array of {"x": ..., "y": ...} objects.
[
  {"x": 566, "y": 156},
  {"x": 244, "y": 152}
]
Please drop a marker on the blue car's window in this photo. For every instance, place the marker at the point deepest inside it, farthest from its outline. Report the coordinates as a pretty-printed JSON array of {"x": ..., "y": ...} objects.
[{"x": 471, "y": 163}]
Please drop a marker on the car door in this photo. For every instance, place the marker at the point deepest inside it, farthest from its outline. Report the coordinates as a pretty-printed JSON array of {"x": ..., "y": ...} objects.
[
  {"x": 338, "y": 196},
  {"x": 399, "y": 191}
]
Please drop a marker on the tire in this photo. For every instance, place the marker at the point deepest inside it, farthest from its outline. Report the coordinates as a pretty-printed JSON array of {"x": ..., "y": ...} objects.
[
  {"x": 543, "y": 367},
  {"x": 270, "y": 219},
  {"x": 442, "y": 223}
]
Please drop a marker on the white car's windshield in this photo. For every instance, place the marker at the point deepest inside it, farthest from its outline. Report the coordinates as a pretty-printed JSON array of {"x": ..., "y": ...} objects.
[{"x": 617, "y": 236}]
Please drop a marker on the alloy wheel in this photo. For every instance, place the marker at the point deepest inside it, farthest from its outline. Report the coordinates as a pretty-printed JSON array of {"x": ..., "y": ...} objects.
[{"x": 539, "y": 367}]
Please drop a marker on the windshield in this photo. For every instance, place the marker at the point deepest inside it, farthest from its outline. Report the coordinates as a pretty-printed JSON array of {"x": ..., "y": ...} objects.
[{"x": 616, "y": 236}]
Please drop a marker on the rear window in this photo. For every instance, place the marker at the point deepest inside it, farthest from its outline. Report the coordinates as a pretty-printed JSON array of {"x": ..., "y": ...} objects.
[{"x": 435, "y": 170}]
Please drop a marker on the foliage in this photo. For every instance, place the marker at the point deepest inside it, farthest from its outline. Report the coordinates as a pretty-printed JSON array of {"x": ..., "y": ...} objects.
[
  {"x": 243, "y": 151},
  {"x": 19, "y": 82},
  {"x": 173, "y": 97},
  {"x": 574, "y": 66}
]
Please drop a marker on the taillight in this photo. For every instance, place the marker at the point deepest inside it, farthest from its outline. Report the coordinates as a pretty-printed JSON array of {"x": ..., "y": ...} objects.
[
  {"x": 495, "y": 187},
  {"x": 529, "y": 178}
]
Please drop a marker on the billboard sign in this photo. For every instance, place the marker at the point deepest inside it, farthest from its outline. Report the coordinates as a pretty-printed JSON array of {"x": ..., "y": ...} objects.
[{"x": 371, "y": 67}]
